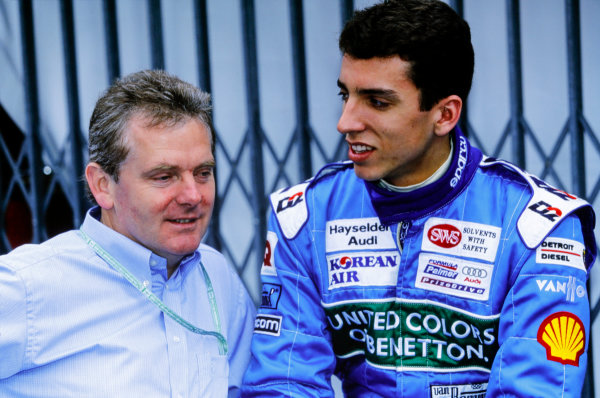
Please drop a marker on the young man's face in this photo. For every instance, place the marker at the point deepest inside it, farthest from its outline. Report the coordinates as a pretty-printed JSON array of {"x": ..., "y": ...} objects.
[
  {"x": 389, "y": 137},
  {"x": 166, "y": 189}
]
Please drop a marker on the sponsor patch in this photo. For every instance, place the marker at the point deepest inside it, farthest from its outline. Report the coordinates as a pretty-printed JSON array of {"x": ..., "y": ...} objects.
[
  {"x": 357, "y": 234},
  {"x": 271, "y": 293},
  {"x": 474, "y": 390},
  {"x": 415, "y": 335},
  {"x": 454, "y": 276},
  {"x": 461, "y": 238},
  {"x": 377, "y": 268},
  {"x": 268, "y": 266},
  {"x": 562, "y": 334},
  {"x": 567, "y": 287},
  {"x": 267, "y": 324},
  {"x": 562, "y": 252}
]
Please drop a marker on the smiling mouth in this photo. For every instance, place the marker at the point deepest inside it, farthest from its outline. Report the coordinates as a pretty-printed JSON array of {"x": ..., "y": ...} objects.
[{"x": 360, "y": 148}]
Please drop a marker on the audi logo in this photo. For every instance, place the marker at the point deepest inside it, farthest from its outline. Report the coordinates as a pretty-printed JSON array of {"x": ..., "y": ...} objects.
[{"x": 474, "y": 272}]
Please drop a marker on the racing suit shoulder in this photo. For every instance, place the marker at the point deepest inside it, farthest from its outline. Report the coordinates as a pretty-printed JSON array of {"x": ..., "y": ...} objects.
[
  {"x": 294, "y": 199},
  {"x": 547, "y": 207}
]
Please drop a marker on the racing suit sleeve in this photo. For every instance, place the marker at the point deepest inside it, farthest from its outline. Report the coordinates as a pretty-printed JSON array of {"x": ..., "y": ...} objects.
[
  {"x": 291, "y": 351},
  {"x": 545, "y": 319}
]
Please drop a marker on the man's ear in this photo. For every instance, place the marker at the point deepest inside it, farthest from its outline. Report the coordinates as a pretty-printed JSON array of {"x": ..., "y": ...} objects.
[
  {"x": 449, "y": 110},
  {"x": 100, "y": 184}
]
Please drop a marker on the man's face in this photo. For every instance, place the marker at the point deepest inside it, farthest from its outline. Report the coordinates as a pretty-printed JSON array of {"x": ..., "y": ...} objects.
[
  {"x": 389, "y": 137},
  {"x": 166, "y": 189}
]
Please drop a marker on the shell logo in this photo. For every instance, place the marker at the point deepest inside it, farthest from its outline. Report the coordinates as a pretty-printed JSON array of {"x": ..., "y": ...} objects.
[{"x": 563, "y": 336}]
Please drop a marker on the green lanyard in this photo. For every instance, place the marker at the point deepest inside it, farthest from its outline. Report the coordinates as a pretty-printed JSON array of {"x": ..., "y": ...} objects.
[{"x": 162, "y": 306}]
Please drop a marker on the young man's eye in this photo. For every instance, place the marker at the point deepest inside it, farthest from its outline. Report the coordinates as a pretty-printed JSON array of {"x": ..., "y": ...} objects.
[
  {"x": 343, "y": 95},
  {"x": 378, "y": 104}
]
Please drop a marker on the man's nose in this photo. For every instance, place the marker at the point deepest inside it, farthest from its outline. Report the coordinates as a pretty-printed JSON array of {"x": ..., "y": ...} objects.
[
  {"x": 190, "y": 192},
  {"x": 350, "y": 119}
]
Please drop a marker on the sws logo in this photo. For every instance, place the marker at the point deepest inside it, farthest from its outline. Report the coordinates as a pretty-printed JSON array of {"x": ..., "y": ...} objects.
[
  {"x": 444, "y": 235},
  {"x": 290, "y": 201},
  {"x": 267, "y": 324}
]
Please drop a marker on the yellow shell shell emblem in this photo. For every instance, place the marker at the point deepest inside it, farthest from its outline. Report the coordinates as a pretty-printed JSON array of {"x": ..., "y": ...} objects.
[{"x": 563, "y": 336}]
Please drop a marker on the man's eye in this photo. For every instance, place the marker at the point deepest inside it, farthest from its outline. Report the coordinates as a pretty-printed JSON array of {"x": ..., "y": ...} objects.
[
  {"x": 162, "y": 178},
  {"x": 378, "y": 104},
  {"x": 204, "y": 173},
  {"x": 343, "y": 95}
]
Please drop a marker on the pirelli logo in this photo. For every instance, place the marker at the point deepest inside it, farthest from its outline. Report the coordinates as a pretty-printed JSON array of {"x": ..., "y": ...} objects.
[{"x": 267, "y": 324}]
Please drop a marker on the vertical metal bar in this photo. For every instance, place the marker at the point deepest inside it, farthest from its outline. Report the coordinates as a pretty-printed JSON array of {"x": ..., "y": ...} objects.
[
  {"x": 302, "y": 132},
  {"x": 577, "y": 134},
  {"x": 255, "y": 131},
  {"x": 32, "y": 115},
  {"x": 76, "y": 169},
  {"x": 156, "y": 35},
  {"x": 516, "y": 82},
  {"x": 112, "y": 40},
  {"x": 204, "y": 81},
  {"x": 458, "y": 6},
  {"x": 347, "y": 9},
  {"x": 202, "y": 46},
  {"x": 575, "y": 97}
]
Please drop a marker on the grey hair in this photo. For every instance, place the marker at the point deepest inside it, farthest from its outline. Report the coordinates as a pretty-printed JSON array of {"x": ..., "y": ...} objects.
[{"x": 157, "y": 96}]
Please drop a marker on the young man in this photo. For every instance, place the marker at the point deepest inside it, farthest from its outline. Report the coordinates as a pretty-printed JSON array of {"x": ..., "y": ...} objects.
[
  {"x": 421, "y": 268},
  {"x": 132, "y": 304}
]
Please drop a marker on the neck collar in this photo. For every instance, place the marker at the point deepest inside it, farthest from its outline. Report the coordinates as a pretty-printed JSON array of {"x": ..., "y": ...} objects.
[{"x": 393, "y": 207}]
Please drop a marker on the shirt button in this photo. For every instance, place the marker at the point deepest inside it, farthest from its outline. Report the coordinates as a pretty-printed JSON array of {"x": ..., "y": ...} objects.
[
  {"x": 176, "y": 339},
  {"x": 146, "y": 283},
  {"x": 153, "y": 263}
]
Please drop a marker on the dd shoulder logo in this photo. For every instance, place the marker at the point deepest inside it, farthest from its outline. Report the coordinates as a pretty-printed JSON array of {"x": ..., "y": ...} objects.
[{"x": 444, "y": 235}]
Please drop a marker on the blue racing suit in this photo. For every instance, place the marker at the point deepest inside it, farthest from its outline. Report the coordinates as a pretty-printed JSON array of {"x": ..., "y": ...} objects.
[{"x": 472, "y": 285}]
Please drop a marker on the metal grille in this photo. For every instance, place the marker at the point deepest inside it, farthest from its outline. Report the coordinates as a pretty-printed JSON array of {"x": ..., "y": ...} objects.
[{"x": 37, "y": 201}]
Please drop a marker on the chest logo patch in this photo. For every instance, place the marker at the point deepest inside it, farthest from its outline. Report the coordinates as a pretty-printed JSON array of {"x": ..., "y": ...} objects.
[
  {"x": 461, "y": 238},
  {"x": 454, "y": 276},
  {"x": 357, "y": 234},
  {"x": 363, "y": 269}
]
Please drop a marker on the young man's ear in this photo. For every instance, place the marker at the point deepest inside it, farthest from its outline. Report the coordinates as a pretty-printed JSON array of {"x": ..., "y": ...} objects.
[
  {"x": 101, "y": 185},
  {"x": 449, "y": 110}
]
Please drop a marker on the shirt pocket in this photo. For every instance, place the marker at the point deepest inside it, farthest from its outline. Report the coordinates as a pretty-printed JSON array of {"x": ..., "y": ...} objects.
[{"x": 212, "y": 378}]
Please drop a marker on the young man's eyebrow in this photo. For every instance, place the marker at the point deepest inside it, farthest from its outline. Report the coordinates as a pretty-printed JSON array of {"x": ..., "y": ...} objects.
[{"x": 380, "y": 92}]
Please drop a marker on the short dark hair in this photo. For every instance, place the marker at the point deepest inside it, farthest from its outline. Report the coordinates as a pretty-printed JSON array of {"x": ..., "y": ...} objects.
[
  {"x": 157, "y": 96},
  {"x": 428, "y": 34}
]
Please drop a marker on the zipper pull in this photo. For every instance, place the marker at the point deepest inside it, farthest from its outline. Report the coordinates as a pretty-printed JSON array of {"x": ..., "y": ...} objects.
[{"x": 403, "y": 227}]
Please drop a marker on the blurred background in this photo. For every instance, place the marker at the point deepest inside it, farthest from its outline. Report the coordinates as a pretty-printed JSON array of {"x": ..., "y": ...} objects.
[{"x": 272, "y": 66}]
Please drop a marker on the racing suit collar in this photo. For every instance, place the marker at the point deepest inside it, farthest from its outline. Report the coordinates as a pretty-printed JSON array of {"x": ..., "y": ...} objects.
[{"x": 393, "y": 207}]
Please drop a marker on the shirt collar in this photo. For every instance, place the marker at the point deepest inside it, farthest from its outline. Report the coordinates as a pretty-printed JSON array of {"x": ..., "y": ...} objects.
[{"x": 139, "y": 260}]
